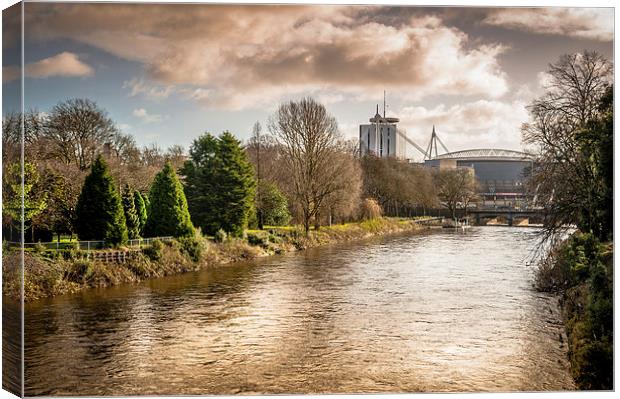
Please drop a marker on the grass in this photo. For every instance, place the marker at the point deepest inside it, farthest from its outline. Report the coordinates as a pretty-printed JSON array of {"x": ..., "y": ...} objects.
[{"x": 50, "y": 272}]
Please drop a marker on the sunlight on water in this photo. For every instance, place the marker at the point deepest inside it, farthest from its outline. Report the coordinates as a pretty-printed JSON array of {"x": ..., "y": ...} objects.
[{"x": 441, "y": 311}]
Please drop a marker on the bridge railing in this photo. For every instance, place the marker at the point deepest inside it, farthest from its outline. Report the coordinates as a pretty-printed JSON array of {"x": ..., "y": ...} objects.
[{"x": 429, "y": 220}]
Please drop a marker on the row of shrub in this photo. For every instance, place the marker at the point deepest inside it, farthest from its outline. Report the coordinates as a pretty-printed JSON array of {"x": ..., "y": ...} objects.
[
  {"x": 51, "y": 272},
  {"x": 580, "y": 269}
]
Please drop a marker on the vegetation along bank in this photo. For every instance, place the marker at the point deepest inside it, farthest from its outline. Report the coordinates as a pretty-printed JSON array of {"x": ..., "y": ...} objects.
[
  {"x": 573, "y": 126},
  {"x": 51, "y": 272},
  {"x": 580, "y": 270}
]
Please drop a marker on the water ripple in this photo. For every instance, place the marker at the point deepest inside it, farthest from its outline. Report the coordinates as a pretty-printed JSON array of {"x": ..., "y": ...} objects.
[{"x": 436, "y": 312}]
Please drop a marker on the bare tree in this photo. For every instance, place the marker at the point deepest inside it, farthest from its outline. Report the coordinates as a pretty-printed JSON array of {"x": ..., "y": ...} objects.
[
  {"x": 425, "y": 195},
  {"x": 270, "y": 155},
  {"x": 309, "y": 140},
  {"x": 266, "y": 155},
  {"x": 175, "y": 154},
  {"x": 12, "y": 135},
  {"x": 124, "y": 148},
  {"x": 577, "y": 82},
  {"x": 256, "y": 144},
  {"x": 565, "y": 178},
  {"x": 77, "y": 129},
  {"x": 343, "y": 204},
  {"x": 152, "y": 155},
  {"x": 398, "y": 186},
  {"x": 456, "y": 188}
]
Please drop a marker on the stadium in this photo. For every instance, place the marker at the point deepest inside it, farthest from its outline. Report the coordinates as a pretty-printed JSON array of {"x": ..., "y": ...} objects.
[{"x": 500, "y": 173}]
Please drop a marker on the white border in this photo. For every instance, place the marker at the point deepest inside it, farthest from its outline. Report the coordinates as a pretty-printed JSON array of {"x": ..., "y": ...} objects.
[{"x": 479, "y": 3}]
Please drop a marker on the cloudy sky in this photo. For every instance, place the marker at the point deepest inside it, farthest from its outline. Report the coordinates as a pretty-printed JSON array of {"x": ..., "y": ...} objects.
[{"x": 167, "y": 73}]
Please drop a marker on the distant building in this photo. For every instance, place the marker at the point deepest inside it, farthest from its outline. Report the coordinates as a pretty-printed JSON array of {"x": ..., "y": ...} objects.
[
  {"x": 381, "y": 137},
  {"x": 500, "y": 172}
]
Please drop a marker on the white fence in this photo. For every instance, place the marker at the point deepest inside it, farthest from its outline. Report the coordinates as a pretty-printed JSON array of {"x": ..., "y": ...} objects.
[{"x": 86, "y": 245}]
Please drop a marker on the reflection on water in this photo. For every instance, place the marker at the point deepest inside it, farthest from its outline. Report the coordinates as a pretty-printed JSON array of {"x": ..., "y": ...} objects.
[
  {"x": 436, "y": 312},
  {"x": 11, "y": 346}
]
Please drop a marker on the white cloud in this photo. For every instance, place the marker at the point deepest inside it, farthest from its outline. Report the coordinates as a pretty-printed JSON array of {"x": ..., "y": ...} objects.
[
  {"x": 349, "y": 130},
  {"x": 526, "y": 94},
  {"x": 154, "y": 92},
  {"x": 145, "y": 117},
  {"x": 236, "y": 57},
  {"x": 63, "y": 64},
  {"x": 544, "y": 79},
  {"x": 496, "y": 123},
  {"x": 585, "y": 23}
]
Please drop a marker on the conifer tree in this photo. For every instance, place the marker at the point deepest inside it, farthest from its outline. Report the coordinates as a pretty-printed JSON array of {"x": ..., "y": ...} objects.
[
  {"x": 147, "y": 204},
  {"x": 141, "y": 210},
  {"x": 99, "y": 210},
  {"x": 131, "y": 215},
  {"x": 167, "y": 213},
  {"x": 220, "y": 184},
  {"x": 237, "y": 184},
  {"x": 200, "y": 183}
]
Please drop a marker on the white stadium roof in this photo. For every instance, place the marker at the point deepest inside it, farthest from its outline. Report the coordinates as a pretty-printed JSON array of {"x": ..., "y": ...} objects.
[{"x": 489, "y": 154}]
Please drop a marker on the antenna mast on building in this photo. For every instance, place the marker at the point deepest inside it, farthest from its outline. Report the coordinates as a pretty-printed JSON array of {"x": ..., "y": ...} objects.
[{"x": 383, "y": 103}]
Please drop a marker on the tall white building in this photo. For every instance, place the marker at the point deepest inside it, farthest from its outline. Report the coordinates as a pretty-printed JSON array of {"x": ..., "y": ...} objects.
[{"x": 381, "y": 137}]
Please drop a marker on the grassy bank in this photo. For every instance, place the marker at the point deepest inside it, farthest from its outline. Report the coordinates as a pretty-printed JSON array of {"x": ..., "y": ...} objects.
[
  {"x": 49, "y": 273},
  {"x": 580, "y": 269}
]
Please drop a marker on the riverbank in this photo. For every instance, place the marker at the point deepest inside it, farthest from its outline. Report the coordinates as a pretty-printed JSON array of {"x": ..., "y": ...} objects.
[
  {"x": 51, "y": 273},
  {"x": 580, "y": 270}
]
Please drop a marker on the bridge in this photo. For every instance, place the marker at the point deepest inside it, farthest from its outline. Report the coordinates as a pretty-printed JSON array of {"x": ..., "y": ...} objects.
[{"x": 509, "y": 214}]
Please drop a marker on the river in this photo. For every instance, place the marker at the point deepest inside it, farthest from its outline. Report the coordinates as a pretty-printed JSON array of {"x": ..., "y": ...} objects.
[{"x": 439, "y": 311}]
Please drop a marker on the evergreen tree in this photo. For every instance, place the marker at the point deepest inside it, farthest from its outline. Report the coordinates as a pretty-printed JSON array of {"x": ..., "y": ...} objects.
[
  {"x": 131, "y": 215},
  {"x": 200, "y": 183},
  {"x": 220, "y": 184},
  {"x": 168, "y": 214},
  {"x": 141, "y": 210},
  {"x": 99, "y": 211},
  {"x": 147, "y": 203},
  {"x": 237, "y": 185}
]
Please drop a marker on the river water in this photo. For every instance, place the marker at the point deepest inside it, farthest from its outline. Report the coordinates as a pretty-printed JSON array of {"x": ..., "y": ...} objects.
[{"x": 443, "y": 311}]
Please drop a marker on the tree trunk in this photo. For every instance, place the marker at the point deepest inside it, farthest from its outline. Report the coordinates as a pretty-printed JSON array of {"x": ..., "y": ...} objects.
[{"x": 307, "y": 224}]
